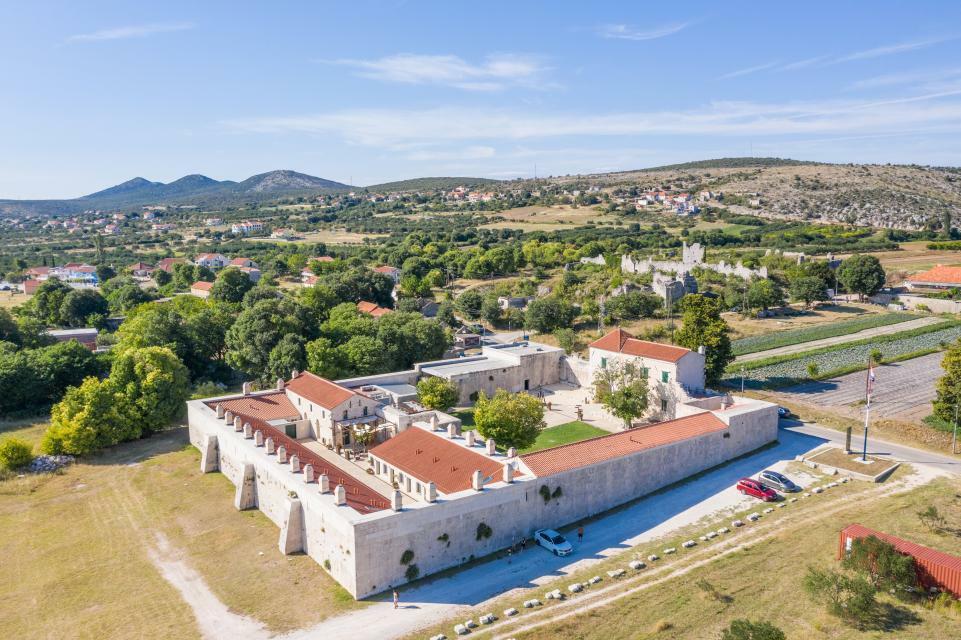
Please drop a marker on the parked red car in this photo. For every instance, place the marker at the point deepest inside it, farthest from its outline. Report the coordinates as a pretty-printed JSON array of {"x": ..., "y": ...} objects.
[{"x": 750, "y": 487}]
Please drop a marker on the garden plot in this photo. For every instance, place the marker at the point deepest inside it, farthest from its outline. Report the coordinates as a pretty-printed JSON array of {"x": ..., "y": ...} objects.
[
  {"x": 795, "y": 369},
  {"x": 902, "y": 391}
]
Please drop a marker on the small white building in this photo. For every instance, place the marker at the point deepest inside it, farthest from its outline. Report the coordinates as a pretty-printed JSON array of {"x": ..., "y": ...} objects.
[{"x": 211, "y": 260}]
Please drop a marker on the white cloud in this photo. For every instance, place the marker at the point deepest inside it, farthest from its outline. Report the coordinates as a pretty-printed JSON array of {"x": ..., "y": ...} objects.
[
  {"x": 627, "y": 32},
  {"x": 748, "y": 70},
  {"x": 468, "y": 153},
  {"x": 388, "y": 127},
  {"x": 888, "y": 50},
  {"x": 930, "y": 79},
  {"x": 132, "y": 31},
  {"x": 494, "y": 73}
]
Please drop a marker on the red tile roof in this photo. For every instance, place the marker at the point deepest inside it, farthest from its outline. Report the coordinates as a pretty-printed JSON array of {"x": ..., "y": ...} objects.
[
  {"x": 620, "y": 341},
  {"x": 319, "y": 390},
  {"x": 360, "y": 497},
  {"x": 272, "y": 406},
  {"x": 586, "y": 452},
  {"x": 241, "y": 262},
  {"x": 429, "y": 457},
  {"x": 386, "y": 269},
  {"x": 371, "y": 308},
  {"x": 938, "y": 275},
  {"x": 202, "y": 285}
]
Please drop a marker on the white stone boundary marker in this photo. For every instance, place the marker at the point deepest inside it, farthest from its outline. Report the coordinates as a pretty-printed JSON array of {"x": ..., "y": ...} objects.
[
  {"x": 616, "y": 573},
  {"x": 269, "y": 446},
  {"x": 294, "y": 463},
  {"x": 451, "y": 430},
  {"x": 397, "y": 500},
  {"x": 461, "y": 630},
  {"x": 308, "y": 472},
  {"x": 281, "y": 384},
  {"x": 477, "y": 479},
  {"x": 688, "y": 544},
  {"x": 510, "y": 612},
  {"x": 487, "y": 618},
  {"x": 431, "y": 492},
  {"x": 508, "y": 473},
  {"x": 324, "y": 483},
  {"x": 248, "y": 431},
  {"x": 220, "y": 411},
  {"x": 340, "y": 495},
  {"x": 469, "y": 438},
  {"x": 246, "y": 388},
  {"x": 238, "y": 424},
  {"x": 229, "y": 417},
  {"x": 282, "y": 454},
  {"x": 636, "y": 565},
  {"x": 491, "y": 447},
  {"x": 258, "y": 438}
]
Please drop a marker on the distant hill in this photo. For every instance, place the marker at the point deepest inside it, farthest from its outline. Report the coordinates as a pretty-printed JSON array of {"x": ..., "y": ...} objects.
[
  {"x": 428, "y": 184},
  {"x": 733, "y": 163},
  {"x": 192, "y": 189}
]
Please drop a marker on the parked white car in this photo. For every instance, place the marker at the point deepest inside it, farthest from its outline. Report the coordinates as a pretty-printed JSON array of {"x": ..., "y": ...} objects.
[{"x": 553, "y": 542}]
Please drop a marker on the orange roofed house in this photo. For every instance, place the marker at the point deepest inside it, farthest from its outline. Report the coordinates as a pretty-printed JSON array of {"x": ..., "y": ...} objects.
[
  {"x": 356, "y": 473},
  {"x": 674, "y": 374},
  {"x": 940, "y": 277}
]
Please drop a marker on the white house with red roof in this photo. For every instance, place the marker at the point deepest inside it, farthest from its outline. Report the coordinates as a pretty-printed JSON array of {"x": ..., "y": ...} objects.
[
  {"x": 243, "y": 262},
  {"x": 201, "y": 289},
  {"x": 211, "y": 260},
  {"x": 674, "y": 374},
  {"x": 388, "y": 270},
  {"x": 938, "y": 277}
]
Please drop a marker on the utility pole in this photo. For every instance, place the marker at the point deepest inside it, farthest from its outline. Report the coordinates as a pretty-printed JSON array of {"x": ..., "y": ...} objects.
[
  {"x": 742, "y": 379},
  {"x": 954, "y": 438},
  {"x": 869, "y": 387}
]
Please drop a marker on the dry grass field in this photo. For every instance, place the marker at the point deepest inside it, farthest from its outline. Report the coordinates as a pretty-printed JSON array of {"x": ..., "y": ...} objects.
[
  {"x": 743, "y": 327},
  {"x": 547, "y": 218},
  {"x": 328, "y": 236},
  {"x": 76, "y": 549},
  {"x": 10, "y": 299}
]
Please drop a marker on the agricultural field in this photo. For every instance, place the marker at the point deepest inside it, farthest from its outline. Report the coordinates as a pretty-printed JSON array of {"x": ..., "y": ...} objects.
[
  {"x": 328, "y": 236},
  {"x": 785, "y": 370},
  {"x": 912, "y": 257},
  {"x": 10, "y": 299},
  {"x": 547, "y": 218},
  {"x": 743, "y": 327},
  {"x": 766, "y": 341}
]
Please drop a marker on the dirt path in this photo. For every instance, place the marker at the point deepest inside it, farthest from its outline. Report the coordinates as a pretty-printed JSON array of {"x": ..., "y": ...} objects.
[{"x": 851, "y": 337}]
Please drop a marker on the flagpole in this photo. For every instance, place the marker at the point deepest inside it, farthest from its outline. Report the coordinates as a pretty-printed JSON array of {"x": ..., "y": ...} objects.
[{"x": 867, "y": 411}]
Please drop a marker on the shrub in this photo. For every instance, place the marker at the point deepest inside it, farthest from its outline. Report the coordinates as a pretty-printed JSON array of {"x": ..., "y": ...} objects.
[
  {"x": 406, "y": 557},
  {"x": 931, "y": 518},
  {"x": 747, "y": 630},
  {"x": 877, "y": 356},
  {"x": 484, "y": 531},
  {"x": 849, "y": 598},
  {"x": 327, "y": 564},
  {"x": 881, "y": 563},
  {"x": 412, "y": 572},
  {"x": 15, "y": 453},
  {"x": 545, "y": 492},
  {"x": 812, "y": 369}
]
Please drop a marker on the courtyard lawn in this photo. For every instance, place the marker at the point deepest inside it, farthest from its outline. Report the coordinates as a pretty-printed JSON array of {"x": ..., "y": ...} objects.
[
  {"x": 564, "y": 434},
  {"x": 83, "y": 540}
]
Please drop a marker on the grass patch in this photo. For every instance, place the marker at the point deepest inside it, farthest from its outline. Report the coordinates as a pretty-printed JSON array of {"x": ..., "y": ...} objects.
[
  {"x": 466, "y": 417},
  {"x": 564, "y": 434},
  {"x": 790, "y": 337},
  {"x": 29, "y": 429},
  {"x": 76, "y": 561}
]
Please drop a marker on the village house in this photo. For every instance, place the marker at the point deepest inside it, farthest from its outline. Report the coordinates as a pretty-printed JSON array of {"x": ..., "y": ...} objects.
[
  {"x": 243, "y": 262},
  {"x": 211, "y": 260},
  {"x": 372, "y": 309},
  {"x": 387, "y": 270},
  {"x": 247, "y": 227},
  {"x": 167, "y": 264},
  {"x": 201, "y": 289},
  {"x": 939, "y": 277},
  {"x": 140, "y": 270}
]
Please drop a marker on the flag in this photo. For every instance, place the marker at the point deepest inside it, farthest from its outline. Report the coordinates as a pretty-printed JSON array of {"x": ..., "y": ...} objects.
[{"x": 870, "y": 387}]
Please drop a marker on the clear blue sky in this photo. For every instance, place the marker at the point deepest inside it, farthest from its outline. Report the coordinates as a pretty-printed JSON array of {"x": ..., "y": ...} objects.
[{"x": 94, "y": 93}]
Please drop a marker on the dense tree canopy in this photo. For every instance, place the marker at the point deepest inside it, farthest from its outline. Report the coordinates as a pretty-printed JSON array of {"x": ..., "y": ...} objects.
[
  {"x": 862, "y": 274},
  {"x": 702, "y": 325},
  {"x": 437, "y": 393},
  {"x": 231, "y": 285},
  {"x": 511, "y": 419},
  {"x": 545, "y": 315}
]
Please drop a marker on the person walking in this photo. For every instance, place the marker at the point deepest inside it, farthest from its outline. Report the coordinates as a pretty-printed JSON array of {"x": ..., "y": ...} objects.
[
  {"x": 580, "y": 534},
  {"x": 396, "y": 598}
]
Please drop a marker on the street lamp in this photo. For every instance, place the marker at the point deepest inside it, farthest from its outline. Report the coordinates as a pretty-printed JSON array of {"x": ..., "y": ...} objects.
[{"x": 742, "y": 379}]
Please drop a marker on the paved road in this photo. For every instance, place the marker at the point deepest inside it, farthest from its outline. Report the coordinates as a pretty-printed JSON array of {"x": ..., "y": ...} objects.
[
  {"x": 851, "y": 337},
  {"x": 902, "y": 390}
]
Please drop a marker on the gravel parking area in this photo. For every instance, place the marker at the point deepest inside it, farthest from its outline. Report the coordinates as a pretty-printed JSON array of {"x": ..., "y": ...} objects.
[{"x": 902, "y": 390}]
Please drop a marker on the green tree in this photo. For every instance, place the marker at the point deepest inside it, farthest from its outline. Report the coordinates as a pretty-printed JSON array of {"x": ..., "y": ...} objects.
[
  {"x": 90, "y": 417},
  {"x": 257, "y": 331},
  {"x": 763, "y": 293},
  {"x": 105, "y": 272},
  {"x": 365, "y": 355},
  {"x": 154, "y": 382},
  {"x": 231, "y": 285},
  {"x": 162, "y": 278},
  {"x": 511, "y": 419},
  {"x": 849, "y": 598},
  {"x": 437, "y": 393},
  {"x": 491, "y": 310},
  {"x": 948, "y": 388},
  {"x": 862, "y": 274},
  {"x": 47, "y": 301},
  {"x": 79, "y": 304},
  {"x": 703, "y": 326},
  {"x": 567, "y": 340},
  {"x": 289, "y": 354},
  {"x": 545, "y": 315},
  {"x": 746, "y": 630},
  {"x": 808, "y": 289},
  {"x": 15, "y": 453},
  {"x": 469, "y": 303},
  {"x": 883, "y": 565},
  {"x": 325, "y": 359},
  {"x": 623, "y": 389},
  {"x": 9, "y": 330}
]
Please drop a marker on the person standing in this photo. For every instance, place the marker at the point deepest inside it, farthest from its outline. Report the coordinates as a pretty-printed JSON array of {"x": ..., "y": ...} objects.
[
  {"x": 396, "y": 598},
  {"x": 580, "y": 534}
]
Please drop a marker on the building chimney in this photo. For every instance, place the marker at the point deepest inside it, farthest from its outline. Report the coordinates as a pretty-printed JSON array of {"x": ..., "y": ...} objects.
[
  {"x": 340, "y": 495},
  {"x": 477, "y": 480},
  {"x": 258, "y": 438},
  {"x": 397, "y": 500},
  {"x": 451, "y": 430},
  {"x": 294, "y": 463},
  {"x": 269, "y": 446},
  {"x": 324, "y": 483},
  {"x": 701, "y": 350},
  {"x": 512, "y": 452},
  {"x": 294, "y": 374},
  {"x": 308, "y": 472},
  {"x": 246, "y": 388},
  {"x": 434, "y": 421},
  {"x": 229, "y": 417},
  {"x": 281, "y": 384},
  {"x": 491, "y": 447},
  {"x": 238, "y": 424},
  {"x": 508, "y": 473},
  {"x": 248, "y": 431},
  {"x": 220, "y": 411},
  {"x": 282, "y": 454},
  {"x": 431, "y": 492}
]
